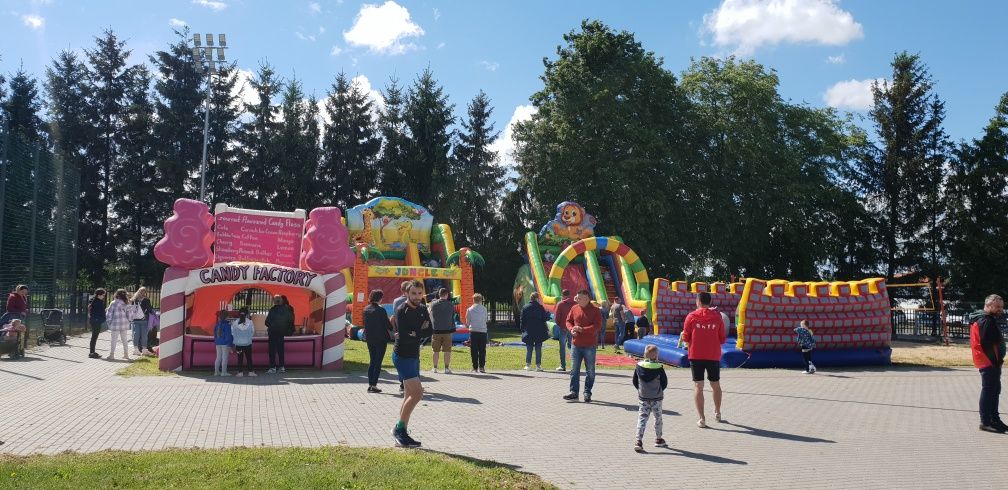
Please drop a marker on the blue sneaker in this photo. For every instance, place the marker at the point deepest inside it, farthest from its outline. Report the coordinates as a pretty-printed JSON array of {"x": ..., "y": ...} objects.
[{"x": 401, "y": 439}]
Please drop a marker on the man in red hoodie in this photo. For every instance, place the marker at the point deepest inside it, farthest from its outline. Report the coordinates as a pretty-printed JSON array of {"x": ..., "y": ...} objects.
[
  {"x": 704, "y": 332},
  {"x": 563, "y": 308},
  {"x": 583, "y": 322},
  {"x": 988, "y": 346}
]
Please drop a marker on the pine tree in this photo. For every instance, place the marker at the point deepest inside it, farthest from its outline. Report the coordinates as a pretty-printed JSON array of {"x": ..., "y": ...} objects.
[
  {"x": 392, "y": 128},
  {"x": 260, "y": 182},
  {"x": 109, "y": 78},
  {"x": 428, "y": 117},
  {"x": 223, "y": 167},
  {"x": 299, "y": 148},
  {"x": 476, "y": 179},
  {"x": 978, "y": 191},
  {"x": 903, "y": 173},
  {"x": 350, "y": 145},
  {"x": 21, "y": 109},
  {"x": 133, "y": 181}
]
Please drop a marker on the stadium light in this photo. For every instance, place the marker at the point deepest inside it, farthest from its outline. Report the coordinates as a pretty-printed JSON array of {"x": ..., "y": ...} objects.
[{"x": 205, "y": 54}]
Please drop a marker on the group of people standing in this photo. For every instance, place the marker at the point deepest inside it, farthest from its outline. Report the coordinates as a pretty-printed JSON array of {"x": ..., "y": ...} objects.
[
  {"x": 235, "y": 336},
  {"x": 124, "y": 314}
]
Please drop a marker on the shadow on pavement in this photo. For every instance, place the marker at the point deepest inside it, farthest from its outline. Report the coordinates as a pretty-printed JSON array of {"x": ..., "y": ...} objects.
[
  {"x": 710, "y": 458},
  {"x": 20, "y": 374},
  {"x": 430, "y": 396},
  {"x": 628, "y": 407},
  {"x": 770, "y": 433},
  {"x": 482, "y": 463}
]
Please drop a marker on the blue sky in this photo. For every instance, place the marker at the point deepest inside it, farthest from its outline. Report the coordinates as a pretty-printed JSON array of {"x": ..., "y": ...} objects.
[{"x": 826, "y": 52}]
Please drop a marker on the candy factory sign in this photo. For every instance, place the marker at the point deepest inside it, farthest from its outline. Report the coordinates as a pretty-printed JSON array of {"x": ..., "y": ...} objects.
[
  {"x": 244, "y": 235},
  {"x": 256, "y": 273}
]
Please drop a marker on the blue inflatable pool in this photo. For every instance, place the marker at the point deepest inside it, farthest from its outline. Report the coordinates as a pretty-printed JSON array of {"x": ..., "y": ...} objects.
[{"x": 731, "y": 356}]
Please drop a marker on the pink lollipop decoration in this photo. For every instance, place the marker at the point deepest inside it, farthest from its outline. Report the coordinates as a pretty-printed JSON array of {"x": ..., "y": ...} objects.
[
  {"x": 188, "y": 236},
  {"x": 325, "y": 247}
]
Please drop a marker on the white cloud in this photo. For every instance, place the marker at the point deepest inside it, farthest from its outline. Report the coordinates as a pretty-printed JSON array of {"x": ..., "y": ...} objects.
[
  {"x": 321, "y": 30},
  {"x": 362, "y": 82},
  {"x": 315, "y": 8},
  {"x": 437, "y": 14},
  {"x": 836, "y": 60},
  {"x": 749, "y": 24},
  {"x": 851, "y": 94},
  {"x": 303, "y": 37},
  {"x": 33, "y": 21},
  {"x": 440, "y": 45},
  {"x": 335, "y": 51},
  {"x": 243, "y": 89},
  {"x": 490, "y": 65},
  {"x": 505, "y": 145},
  {"x": 177, "y": 22},
  {"x": 211, "y": 4},
  {"x": 382, "y": 28}
]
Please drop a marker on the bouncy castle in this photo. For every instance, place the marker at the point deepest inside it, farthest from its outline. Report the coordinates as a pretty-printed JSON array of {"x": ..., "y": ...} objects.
[
  {"x": 211, "y": 258},
  {"x": 566, "y": 254},
  {"x": 850, "y": 321}
]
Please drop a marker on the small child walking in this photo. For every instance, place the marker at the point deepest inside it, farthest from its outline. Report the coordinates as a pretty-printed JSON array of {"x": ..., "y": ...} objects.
[
  {"x": 806, "y": 342},
  {"x": 650, "y": 380},
  {"x": 223, "y": 340}
]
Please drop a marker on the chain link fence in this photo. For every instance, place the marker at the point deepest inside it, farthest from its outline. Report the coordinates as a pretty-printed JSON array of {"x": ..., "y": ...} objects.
[{"x": 39, "y": 197}]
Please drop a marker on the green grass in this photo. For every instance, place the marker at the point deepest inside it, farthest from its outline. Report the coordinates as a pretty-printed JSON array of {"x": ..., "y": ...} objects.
[
  {"x": 326, "y": 467},
  {"x": 355, "y": 357}
]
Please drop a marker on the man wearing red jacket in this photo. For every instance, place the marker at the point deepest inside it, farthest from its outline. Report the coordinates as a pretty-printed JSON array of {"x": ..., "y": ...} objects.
[
  {"x": 704, "y": 332},
  {"x": 563, "y": 309},
  {"x": 988, "y": 346},
  {"x": 583, "y": 322}
]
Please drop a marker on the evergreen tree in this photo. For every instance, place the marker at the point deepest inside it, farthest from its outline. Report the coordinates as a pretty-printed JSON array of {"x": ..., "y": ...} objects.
[
  {"x": 299, "y": 149},
  {"x": 350, "y": 145},
  {"x": 133, "y": 181},
  {"x": 21, "y": 109},
  {"x": 109, "y": 79},
  {"x": 428, "y": 116},
  {"x": 178, "y": 127},
  {"x": 261, "y": 180},
  {"x": 223, "y": 167},
  {"x": 392, "y": 128},
  {"x": 978, "y": 191},
  {"x": 476, "y": 178},
  {"x": 902, "y": 174}
]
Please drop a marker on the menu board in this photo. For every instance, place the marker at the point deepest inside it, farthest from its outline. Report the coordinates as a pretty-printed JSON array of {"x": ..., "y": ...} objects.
[{"x": 245, "y": 235}]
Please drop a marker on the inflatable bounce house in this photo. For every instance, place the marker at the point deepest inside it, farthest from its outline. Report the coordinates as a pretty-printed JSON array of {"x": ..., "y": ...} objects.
[
  {"x": 396, "y": 240},
  {"x": 850, "y": 320},
  {"x": 212, "y": 258},
  {"x": 566, "y": 254}
]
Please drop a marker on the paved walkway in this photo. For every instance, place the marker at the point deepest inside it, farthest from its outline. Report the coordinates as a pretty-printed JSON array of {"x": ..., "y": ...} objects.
[{"x": 901, "y": 428}]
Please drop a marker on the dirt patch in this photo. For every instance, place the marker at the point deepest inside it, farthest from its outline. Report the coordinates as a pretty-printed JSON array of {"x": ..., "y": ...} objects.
[{"x": 930, "y": 354}]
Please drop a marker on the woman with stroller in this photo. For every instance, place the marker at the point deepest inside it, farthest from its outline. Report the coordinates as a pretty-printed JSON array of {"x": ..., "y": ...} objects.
[
  {"x": 140, "y": 300},
  {"x": 17, "y": 305}
]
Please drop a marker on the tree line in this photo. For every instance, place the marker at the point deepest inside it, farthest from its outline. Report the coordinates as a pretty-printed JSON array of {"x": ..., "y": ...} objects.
[{"x": 707, "y": 174}]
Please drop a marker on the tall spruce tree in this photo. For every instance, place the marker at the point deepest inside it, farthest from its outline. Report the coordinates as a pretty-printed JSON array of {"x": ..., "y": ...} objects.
[
  {"x": 350, "y": 145},
  {"x": 260, "y": 182},
  {"x": 901, "y": 176},
  {"x": 978, "y": 191},
  {"x": 22, "y": 108},
  {"x": 299, "y": 148},
  {"x": 178, "y": 127},
  {"x": 133, "y": 181},
  {"x": 476, "y": 178},
  {"x": 428, "y": 116},
  {"x": 109, "y": 79},
  {"x": 223, "y": 166},
  {"x": 392, "y": 128}
]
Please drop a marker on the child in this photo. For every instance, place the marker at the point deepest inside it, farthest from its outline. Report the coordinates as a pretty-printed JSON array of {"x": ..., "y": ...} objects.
[
  {"x": 241, "y": 333},
  {"x": 223, "y": 340},
  {"x": 650, "y": 380},
  {"x": 12, "y": 329},
  {"x": 806, "y": 342}
]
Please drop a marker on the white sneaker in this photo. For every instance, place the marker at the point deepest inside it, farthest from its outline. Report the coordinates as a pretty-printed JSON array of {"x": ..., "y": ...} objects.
[
  {"x": 560, "y": 369},
  {"x": 718, "y": 417},
  {"x": 225, "y": 374},
  {"x": 435, "y": 371},
  {"x": 238, "y": 374},
  {"x": 812, "y": 369},
  {"x": 271, "y": 371},
  {"x": 539, "y": 369},
  {"x": 252, "y": 374},
  {"x": 526, "y": 367},
  {"x": 110, "y": 357},
  {"x": 283, "y": 370},
  {"x": 447, "y": 371}
]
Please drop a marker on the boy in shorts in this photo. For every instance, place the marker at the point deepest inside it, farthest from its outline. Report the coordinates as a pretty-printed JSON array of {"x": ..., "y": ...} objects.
[
  {"x": 442, "y": 312},
  {"x": 704, "y": 333}
]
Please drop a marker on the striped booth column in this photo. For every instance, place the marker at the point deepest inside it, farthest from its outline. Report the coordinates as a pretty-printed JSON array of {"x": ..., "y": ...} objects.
[
  {"x": 334, "y": 328},
  {"x": 173, "y": 294}
]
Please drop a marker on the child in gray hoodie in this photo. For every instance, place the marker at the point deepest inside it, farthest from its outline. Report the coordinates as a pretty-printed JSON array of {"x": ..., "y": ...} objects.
[{"x": 650, "y": 380}]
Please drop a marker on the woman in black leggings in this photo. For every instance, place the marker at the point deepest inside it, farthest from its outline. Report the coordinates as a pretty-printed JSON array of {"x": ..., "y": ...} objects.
[{"x": 377, "y": 332}]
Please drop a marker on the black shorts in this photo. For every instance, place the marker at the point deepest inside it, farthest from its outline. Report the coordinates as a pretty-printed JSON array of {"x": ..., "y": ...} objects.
[{"x": 713, "y": 369}]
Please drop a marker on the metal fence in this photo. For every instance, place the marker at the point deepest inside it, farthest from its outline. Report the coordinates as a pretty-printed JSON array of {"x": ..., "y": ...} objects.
[{"x": 925, "y": 323}]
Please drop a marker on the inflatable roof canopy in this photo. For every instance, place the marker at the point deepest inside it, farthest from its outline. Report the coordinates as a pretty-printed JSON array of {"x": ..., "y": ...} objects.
[{"x": 390, "y": 224}]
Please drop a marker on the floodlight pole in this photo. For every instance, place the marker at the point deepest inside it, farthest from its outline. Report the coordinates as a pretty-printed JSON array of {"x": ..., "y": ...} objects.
[{"x": 206, "y": 133}]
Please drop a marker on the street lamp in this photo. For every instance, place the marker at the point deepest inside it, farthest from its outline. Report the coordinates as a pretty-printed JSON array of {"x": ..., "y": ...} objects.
[{"x": 200, "y": 54}]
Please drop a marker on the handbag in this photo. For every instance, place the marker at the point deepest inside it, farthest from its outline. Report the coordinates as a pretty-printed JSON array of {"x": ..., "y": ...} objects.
[{"x": 136, "y": 312}]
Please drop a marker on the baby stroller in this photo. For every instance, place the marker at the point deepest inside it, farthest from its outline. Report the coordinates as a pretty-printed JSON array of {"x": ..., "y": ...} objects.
[
  {"x": 12, "y": 344},
  {"x": 52, "y": 328}
]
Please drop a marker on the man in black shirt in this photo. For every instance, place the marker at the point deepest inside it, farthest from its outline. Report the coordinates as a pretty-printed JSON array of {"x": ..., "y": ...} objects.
[{"x": 413, "y": 323}]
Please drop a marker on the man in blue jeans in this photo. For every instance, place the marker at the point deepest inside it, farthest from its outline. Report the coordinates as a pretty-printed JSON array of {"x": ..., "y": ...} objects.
[
  {"x": 583, "y": 322},
  {"x": 563, "y": 308}
]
